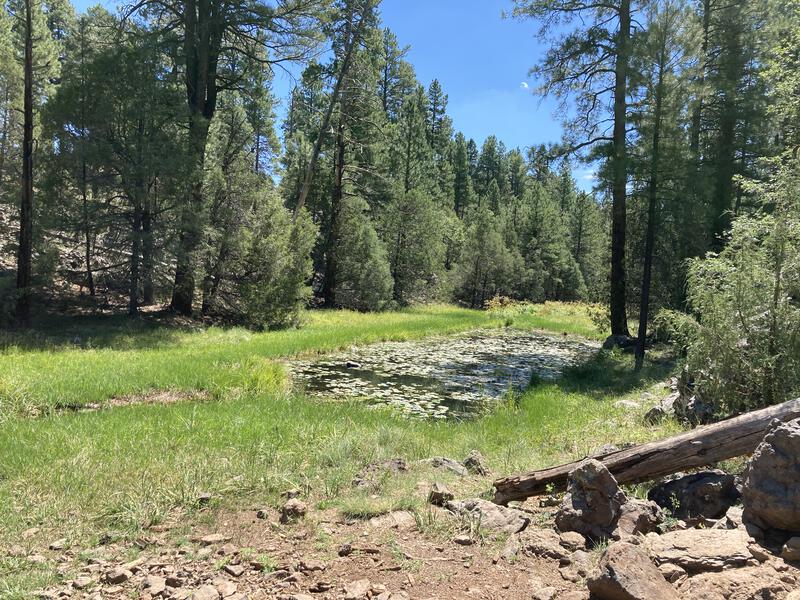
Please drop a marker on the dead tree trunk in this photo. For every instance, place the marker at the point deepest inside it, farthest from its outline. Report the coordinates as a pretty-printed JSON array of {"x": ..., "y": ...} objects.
[{"x": 697, "y": 448}]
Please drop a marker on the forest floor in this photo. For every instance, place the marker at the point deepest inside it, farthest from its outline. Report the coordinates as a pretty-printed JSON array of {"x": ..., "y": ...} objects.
[{"x": 192, "y": 431}]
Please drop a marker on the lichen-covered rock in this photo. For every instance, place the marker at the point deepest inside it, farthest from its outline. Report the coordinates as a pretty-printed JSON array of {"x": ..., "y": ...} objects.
[
  {"x": 592, "y": 503},
  {"x": 771, "y": 491},
  {"x": 476, "y": 464},
  {"x": 706, "y": 494},
  {"x": 626, "y": 573}
]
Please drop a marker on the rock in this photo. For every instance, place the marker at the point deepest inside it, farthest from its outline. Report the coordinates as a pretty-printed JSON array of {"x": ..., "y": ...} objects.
[
  {"x": 592, "y": 503},
  {"x": 309, "y": 565},
  {"x": 637, "y": 517},
  {"x": 204, "y": 498},
  {"x": 214, "y": 538},
  {"x": 29, "y": 533},
  {"x": 351, "y": 364},
  {"x": 576, "y": 567},
  {"x": 234, "y": 570},
  {"x": 228, "y": 550},
  {"x": 706, "y": 494},
  {"x": 291, "y": 493},
  {"x": 118, "y": 575},
  {"x": 655, "y": 415},
  {"x": 392, "y": 596},
  {"x": 293, "y": 510},
  {"x": 205, "y": 592},
  {"x": 543, "y": 543},
  {"x": 476, "y": 464},
  {"x": 439, "y": 494},
  {"x": 81, "y": 583},
  {"x": 626, "y": 573},
  {"x": 225, "y": 588},
  {"x": 791, "y": 549},
  {"x": 357, "y": 590},
  {"x": 155, "y": 585},
  {"x": 546, "y": 593},
  {"x": 572, "y": 540},
  {"x": 398, "y": 519},
  {"x": 447, "y": 464},
  {"x": 691, "y": 409},
  {"x": 262, "y": 513},
  {"x": 673, "y": 573},
  {"x": 731, "y": 520},
  {"x": 748, "y": 583},
  {"x": 58, "y": 544},
  {"x": 511, "y": 548},
  {"x": 701, "y": 550},
  {"x": 491, "y": 516},
  {"x": 771, "y": 491},
  {"x": 463, "y": 540},
  {"x": 37, "y": 559}
]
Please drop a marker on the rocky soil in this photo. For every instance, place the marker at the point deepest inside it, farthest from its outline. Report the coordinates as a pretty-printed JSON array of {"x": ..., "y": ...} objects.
[{"x": 595, "y": 541}]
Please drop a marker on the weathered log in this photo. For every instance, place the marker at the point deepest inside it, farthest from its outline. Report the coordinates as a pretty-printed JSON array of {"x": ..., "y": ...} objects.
[{"x": 697, "y": 448}]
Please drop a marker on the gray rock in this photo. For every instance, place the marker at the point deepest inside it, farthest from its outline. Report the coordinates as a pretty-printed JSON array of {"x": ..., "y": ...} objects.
[
  {"x": 707, "y": 494},
  {"x": 490, "y": 516},
  {"x": 476, "y": 464},
  {"x": 293, "y": 510},
  {"x": 626, "y": 573},
  {"x": 592, "y": 503},
  {"x": 637, "y": 517},
  {"x": 791, "y": 549},
  {"x": 576, "y": 567},
  {"x": 771, "y": 491},
  {"x": 544, "y": 543},
  {"x": 701, "y": 550},
  {"x": 761, "y": 582},
  {"x": 205, "y": 592},
  {"x": 118, "y": 575},
  {"x": 357, "y": 590},
  {"x": 439, "y": 494}
]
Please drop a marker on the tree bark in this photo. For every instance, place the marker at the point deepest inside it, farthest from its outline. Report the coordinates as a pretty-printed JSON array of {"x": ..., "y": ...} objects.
[
  {"x": 136, "y": 247},
  {"x": 650, "y": 235},
  {"x": 148, "y": 289},
  {"x": 331, "y": 262},
  {"x": 619, "y": 320},
  {"x": 697, "y": 448},
  {"x": 25, "y": 250}
]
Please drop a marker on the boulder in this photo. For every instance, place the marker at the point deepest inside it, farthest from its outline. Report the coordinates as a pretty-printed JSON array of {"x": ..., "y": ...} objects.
[
  {"x": 701, "y": 550},
  {"x": 476, "y": 464},
  {"x": 293, "y": 509},
  {"x": 543, "y": 543},
  {"x": 626, "y": 573},
  {"x": 748, "y": 583},
  {"x": 576, "y": 566},
  {"x": 771, "y": 491},
  {"x": 592, "y": 503},
  {"x": 637, "y": 517},
  {"x": 707, "y": 494},
  {"x": 357, "y": 590},
  {"x": 491, "y": 516},
  {"x": 439, "y": 494}
]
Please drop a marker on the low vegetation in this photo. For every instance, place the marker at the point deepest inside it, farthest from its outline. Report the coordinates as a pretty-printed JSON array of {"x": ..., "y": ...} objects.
[{"x": 111, "y": 473}]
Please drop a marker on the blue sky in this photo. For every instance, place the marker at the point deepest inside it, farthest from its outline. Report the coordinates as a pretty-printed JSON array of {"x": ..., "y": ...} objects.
[{"x": 482, "y": 61}]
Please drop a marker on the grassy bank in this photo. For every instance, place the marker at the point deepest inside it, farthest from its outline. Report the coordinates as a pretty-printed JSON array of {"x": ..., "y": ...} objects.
[
  {"x": 83, "y": 361},
  {"x": 110, "y": 474}
]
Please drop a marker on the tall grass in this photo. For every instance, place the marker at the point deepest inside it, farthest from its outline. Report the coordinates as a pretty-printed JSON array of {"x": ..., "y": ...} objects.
[{"x": 107, "y": 359}]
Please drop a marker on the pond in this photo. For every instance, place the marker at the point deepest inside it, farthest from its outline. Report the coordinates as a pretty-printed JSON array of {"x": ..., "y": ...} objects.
[{"x": 442, "y": 377}]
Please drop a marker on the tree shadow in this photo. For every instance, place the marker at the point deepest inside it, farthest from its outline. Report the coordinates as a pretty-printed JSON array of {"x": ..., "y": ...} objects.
[{"x": 612, "y": 373}]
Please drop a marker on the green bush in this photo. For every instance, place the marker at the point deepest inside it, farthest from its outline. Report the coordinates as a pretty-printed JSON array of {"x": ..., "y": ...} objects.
[{"x": 744, "y": 349}]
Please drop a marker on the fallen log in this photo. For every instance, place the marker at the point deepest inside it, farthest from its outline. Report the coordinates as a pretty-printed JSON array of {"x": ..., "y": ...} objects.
[{"x": 697, "y": 448}]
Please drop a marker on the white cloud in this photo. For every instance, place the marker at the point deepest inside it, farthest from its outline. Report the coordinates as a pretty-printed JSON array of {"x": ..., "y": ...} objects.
[{"x": 524, "y": 85}]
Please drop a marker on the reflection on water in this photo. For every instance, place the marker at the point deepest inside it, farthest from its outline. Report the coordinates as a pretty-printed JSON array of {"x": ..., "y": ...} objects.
[{"x": 442, "y": 377}]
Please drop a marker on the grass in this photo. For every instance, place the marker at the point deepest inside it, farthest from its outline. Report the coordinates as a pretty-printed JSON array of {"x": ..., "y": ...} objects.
[
  {"x": 109, "y": 474},
  {"x": 97, "y": 359}
]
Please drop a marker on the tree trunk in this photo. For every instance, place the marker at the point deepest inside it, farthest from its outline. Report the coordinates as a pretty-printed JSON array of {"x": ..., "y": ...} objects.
[
  {"x": 136, "y": 248},
  {"x": 619, "y": 320},
  {"x": 148, "y": 289},
  {"x": 697, "y": 448},
  {"x": 25, "y": 250},
  {"x": 650, "y": 236},
  {"x": 352, "y": 36},
  {"x": 331, "y": 263},
  {"x": 87, "y": 231}
]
